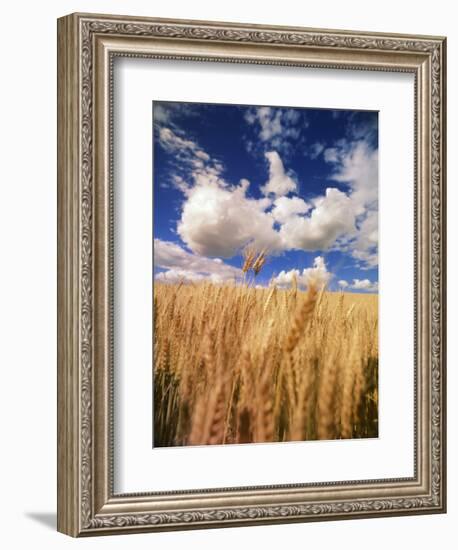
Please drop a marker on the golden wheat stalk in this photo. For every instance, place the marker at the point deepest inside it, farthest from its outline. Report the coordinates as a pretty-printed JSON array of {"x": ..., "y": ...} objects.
[
  {"x": 294, "y": 286},
  {"x": 300, "y": 412},
  {"x": 271, "y": 294},
  {"x": 265, "y": 425},
  {"x": 237, "y": 364},
  {"x": 217, "y": 415},
  {"x": 259, "y": 262},
  {"x": 326, "y": 394},
  {"x": 301, "y": 319},
  {"x": 249, "y": 256},
  {"x": 346, "y": 408},
  {"x": 198, "y": 422}
]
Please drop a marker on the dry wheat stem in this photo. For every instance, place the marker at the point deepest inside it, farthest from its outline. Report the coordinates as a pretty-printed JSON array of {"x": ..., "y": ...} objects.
[{"x": 238, "y": 364}]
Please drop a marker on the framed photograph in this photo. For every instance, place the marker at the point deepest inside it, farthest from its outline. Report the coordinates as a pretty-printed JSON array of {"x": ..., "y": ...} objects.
[{"x": 251, "y": 290}]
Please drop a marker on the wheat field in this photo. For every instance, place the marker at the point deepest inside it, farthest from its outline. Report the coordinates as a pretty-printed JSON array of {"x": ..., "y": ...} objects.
[{"x": 239, "y": 364}]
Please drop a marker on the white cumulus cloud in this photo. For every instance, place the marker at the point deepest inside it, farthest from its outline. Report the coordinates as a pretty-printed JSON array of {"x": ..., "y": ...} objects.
[
  {"x": 364, "y": 284},
  {"x": 332, "y": 217},
  {"x": 181, "y": 265},
  {"x": 356, "y": 166},
  {"x": 365, "y": 244},
  {"x": 317, "y": 275},
  {"x": 359, "y": 284},
  {"x": 287, "y": 207},
  {"x": 219, "y": 220},
  {"x": 279, "y": 183}
]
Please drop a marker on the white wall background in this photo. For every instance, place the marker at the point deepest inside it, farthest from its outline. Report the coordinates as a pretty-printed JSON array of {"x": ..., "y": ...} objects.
[{"x": 28, "y": 273}]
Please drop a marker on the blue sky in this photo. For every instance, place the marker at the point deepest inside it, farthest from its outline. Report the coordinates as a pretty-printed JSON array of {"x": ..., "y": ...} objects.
[{"x": 300, "y": 183}]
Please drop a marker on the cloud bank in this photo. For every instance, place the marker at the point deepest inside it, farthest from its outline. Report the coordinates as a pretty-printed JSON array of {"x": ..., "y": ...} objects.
[
  {"x": 219, "y": 218},
  {"x": 317, "y": 275},
  {"x": 181, "y": 265},
  {"x": 279, "y": 183},
  {"x": 359, "y": 284}
]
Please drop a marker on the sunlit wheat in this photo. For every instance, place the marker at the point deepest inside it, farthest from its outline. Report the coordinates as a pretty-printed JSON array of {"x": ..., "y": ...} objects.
[{"x": 238, "y": 364}]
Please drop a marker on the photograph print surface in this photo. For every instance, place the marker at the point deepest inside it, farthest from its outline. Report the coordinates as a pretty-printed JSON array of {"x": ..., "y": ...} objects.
[{"x": 265, "y": 223}]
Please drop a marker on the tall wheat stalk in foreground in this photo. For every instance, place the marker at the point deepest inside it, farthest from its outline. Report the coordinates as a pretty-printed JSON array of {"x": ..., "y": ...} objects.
[{"x": 236, "y": 364}]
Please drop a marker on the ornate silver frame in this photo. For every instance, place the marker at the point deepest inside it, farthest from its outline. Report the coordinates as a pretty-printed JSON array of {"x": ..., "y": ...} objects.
[{"x": 87, "y": 45}]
